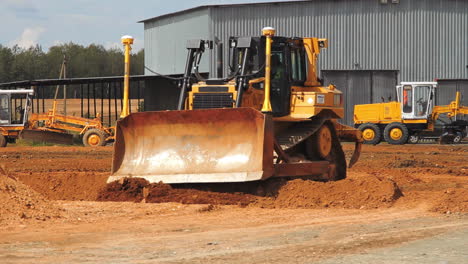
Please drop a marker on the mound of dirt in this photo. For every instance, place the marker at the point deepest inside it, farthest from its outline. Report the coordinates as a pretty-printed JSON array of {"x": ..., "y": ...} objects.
[
  {"x": 365, "y": 193},
  {"x": 126, "y": 190},
  {"x": 137, "y": 190},
  {"x": 18, "y": 201},
  {"x": 71, "y": 186},
  {"x": 454, "y": 200}
]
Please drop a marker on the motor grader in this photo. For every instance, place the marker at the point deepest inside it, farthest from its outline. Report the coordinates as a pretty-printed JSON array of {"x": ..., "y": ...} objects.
[
  {"x": 412, "y": 117},
  {"x": 271, "y": 117},
  {"x": 16, "y": 121}
]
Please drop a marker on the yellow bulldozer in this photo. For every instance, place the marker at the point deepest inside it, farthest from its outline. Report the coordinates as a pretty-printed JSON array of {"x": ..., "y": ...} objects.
[{"x": 271, "y": 117}]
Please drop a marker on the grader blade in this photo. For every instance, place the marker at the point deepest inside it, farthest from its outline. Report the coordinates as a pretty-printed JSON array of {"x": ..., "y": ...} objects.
[
  {"x": 44, "y": 136},
  {"x": 197, "y": 146}
]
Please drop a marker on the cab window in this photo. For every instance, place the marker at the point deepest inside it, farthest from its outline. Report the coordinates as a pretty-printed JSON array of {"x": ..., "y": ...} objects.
[
  {"x": 298, "y": 65},
  {"x": 421, "y": 96},
  {"x": 4, "y": 109},
  {"x": 407, "y": 99},
  {"x": 277, "y": 65}
]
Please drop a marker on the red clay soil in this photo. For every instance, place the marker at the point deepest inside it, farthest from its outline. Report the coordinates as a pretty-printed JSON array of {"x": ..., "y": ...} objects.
[
  {"x": 365, "y": 193},
  {"x": 60, "y": 173},
  {"x": 433, "y": 175},
  {"x": 351, "y": 193},
  {"x": 72, "y": 186},
  {"x": 19, "y": 202},
  {"x": 138, "y": 190},
  {"x": 452, "y": 201}
]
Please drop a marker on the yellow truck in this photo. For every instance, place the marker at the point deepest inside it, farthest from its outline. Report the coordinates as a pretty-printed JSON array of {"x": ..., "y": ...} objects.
[{"x": 412, "y": 117}]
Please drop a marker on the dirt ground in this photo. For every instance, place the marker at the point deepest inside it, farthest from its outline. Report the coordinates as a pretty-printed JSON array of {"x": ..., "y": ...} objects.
[{"x": 399, "y": 204}]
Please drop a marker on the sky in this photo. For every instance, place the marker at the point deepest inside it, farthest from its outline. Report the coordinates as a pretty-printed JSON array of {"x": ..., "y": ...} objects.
[{"x": 50, "y": 22}]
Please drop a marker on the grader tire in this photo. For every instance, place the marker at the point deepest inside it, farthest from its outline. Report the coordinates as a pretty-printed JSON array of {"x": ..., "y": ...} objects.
[
  {"x": 371, "y": 133},
  {"x": 94, "y": 138},
  {"x": 396, "y": 133}
]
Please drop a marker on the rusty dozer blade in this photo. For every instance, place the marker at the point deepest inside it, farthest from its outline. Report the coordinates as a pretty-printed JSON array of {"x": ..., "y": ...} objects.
[
  {"x": 196, "y": 146},
  {"x": 44, "y": 136}
]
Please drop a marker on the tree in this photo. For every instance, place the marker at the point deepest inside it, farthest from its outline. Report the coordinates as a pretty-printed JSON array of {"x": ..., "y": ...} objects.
[{"x": 18, "y": 64}]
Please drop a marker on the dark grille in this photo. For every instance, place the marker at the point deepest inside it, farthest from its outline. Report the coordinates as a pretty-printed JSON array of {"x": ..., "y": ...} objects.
[
  {"x": 211, "y": 89},
  {"x": 212, "y": 100}
]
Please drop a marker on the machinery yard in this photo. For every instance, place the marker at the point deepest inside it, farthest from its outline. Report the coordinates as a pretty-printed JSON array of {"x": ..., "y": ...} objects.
[
  {"x": 296, "y": 132},
  {"x": 399, "y": 204}
]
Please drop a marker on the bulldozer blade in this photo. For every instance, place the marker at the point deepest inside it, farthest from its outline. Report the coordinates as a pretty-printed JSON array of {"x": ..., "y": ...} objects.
[
  {"x": 194, "y": 146},
  {"x": 44, "y": 136}
]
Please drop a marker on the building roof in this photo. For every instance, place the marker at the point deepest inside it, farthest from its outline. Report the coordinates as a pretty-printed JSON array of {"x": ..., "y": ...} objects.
[
  {"x": 67, "y": 81},
  {"x": 226, "y": 5}
]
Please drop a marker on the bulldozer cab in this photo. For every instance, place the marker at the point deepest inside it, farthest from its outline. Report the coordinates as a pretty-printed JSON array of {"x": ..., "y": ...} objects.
[
  {"x": 416, "y": 98},
  {"x": 14, "y": 107},
  {"x": 288, "y": 67}
]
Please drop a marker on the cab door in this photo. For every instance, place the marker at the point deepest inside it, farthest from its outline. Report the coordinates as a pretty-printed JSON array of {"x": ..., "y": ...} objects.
[
  {"x": 280, "y": 85},
  {"x": 416, "y": 101},
  {"x": 5, "y": 117},
  {"x": 288, "y": 69}
]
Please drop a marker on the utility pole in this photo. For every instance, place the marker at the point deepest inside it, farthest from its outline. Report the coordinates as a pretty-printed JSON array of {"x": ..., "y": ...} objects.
[{"x": 64, "y": 66}]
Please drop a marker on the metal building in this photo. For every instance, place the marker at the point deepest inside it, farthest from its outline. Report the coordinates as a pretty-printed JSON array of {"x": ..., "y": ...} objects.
[{"x": 373, "y": 44}]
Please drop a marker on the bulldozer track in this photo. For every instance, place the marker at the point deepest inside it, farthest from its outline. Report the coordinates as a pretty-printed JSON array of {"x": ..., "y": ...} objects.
[
  {"x": 304, "y": 130},
  {"x": 298, "y": 133}
]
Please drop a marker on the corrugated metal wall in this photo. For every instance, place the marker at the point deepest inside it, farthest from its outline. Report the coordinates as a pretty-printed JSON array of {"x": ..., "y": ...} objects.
[
  {"x": 423, "y": 39},
  {"x": 362, "y": 87},
  {"x": 166, "y": 39},
  {"x": 446, "y": 90}
]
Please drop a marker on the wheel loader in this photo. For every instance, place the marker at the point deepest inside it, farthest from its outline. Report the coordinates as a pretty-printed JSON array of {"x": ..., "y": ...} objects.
[
  {"x": 271, "y": 117},
  {"x": 412, "y": 117}
]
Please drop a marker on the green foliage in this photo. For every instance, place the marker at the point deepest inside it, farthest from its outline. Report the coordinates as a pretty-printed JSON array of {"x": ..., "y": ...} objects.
[{"x": 17, "y": 64}]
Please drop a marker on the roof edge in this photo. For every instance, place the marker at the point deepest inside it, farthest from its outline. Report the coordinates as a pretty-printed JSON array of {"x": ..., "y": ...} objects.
[{"x": 211, "y": 6}]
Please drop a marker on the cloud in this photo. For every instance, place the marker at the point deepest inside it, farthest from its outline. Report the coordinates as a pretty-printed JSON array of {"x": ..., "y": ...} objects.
[
  {"x": 138, "y": 44},
  {"x": 24, "y": 9},
  {"x": 29, "y": 37}
]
